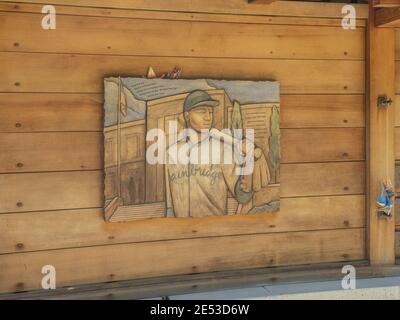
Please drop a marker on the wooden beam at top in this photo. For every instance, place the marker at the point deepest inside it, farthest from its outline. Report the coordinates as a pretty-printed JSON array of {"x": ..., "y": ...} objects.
[
  {"x": 386, "y": 3},
  {"x": 239, "y": 7},
  {"x": 387, "y": 17}
]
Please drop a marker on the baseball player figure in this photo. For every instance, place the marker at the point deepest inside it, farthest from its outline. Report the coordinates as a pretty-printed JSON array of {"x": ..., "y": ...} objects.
[{"x": 198, "y": 188}]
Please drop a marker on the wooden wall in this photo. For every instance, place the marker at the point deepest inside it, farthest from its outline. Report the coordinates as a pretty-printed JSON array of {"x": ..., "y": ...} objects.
[{"x": 51, "y": 176}]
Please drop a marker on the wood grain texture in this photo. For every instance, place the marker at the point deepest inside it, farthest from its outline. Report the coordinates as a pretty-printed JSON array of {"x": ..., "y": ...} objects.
[
  {"x": 180, "y": 16},
  {"x": 322, "y": 179},
  {"x": 56, "y": 151},
  {"x": 100, "y": 35},
  {"x": 42, "y": 112},
  {"x": 35, "y": 112},
  {"x": 37, "y": 72},
  {"x": 22, "y": 271},
  {"x": 51, "y": 190},
  {"x": 84, "y": 189},
  {"x": 86, "y": 227},
  {"x": 309, "y": 111},
  {"x": 280, "y": 8},
  {"x": 51, "y": 95},
  {"x": 308, "y": 145},
  {"x": 63, "y": 151}
]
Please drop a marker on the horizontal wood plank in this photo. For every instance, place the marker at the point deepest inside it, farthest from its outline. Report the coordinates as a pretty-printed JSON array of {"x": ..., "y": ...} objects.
[
  {"x": 102, "y": 35},
  {"x": 86, "y": 227},
  {"x": 38, "y": 112},
  {"x": 63, "y": 151},
  {"x": 51, "y": 190},
  {"x": 42, "y": 112},
  {"x": 56, "y": 151},
  {"x": 308, "y": 111},
  {"x": 279, "y": 8},
  {"x": 318, "y": 145},
  {"x": 180, "y": 16},
  {"x": 84, "y": 189},
  {"x": 38, "y": 72},
  {"x": 322, "y": 179},
  {"x": 22, "y": 271}
]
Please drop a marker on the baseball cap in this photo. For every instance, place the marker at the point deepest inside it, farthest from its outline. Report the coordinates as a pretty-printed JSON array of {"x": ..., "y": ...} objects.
[{"x": 198, "y": 98}]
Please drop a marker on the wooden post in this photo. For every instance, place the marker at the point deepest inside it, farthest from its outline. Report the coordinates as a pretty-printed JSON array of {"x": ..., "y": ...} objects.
[{"x": 380, "y": 138}]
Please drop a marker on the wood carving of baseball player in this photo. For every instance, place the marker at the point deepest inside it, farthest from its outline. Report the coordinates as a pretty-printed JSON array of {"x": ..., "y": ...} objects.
[{"x": 198, "y": 188}]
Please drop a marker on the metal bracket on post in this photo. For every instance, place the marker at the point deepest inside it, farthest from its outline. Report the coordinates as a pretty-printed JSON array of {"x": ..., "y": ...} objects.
[
  {"x": 384, "y": 101},
  {"x": 384, "y": 214}
]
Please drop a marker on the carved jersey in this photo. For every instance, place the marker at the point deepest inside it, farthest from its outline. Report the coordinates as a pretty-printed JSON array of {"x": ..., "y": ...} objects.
[{"x": 199, "y": 188}]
